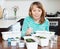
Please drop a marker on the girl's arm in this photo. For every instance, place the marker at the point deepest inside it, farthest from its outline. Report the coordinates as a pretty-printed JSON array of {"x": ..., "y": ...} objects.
[{"x": 26, "y": 30}]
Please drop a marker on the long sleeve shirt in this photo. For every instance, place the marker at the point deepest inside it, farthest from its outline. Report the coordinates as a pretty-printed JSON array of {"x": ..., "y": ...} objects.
[{"x": 29, "y": 22}]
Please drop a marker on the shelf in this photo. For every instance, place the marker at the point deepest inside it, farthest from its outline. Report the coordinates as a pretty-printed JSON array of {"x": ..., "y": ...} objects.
[{"x": 53, "y": 17}]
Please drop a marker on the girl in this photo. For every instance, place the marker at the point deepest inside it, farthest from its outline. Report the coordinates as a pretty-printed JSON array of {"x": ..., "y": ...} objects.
[{"x": 36, "y": 20}]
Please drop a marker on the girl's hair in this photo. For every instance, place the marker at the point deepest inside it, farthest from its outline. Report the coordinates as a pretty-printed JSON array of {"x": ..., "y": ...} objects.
[{"x": 40, "y": 6}]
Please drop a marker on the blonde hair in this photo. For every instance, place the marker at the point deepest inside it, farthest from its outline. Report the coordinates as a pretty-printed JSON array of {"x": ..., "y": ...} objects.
[{"x": 40, "y": 6}]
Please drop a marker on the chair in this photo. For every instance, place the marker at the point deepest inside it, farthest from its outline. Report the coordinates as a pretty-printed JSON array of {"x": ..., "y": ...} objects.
[
  {"x": 21, "y": 22},
  {"x": 17, "y": 26}
]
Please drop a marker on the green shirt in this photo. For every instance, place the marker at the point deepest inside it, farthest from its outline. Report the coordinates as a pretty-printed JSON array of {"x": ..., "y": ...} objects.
[{"x": 29, "y": 22}]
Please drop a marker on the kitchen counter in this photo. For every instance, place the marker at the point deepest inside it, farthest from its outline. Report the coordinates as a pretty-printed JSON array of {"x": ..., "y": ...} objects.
[{"x": 7, "y": 23}]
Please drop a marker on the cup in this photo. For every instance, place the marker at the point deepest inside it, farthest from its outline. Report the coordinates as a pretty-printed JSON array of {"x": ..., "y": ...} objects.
[
  {"x": 13, "y": 43},
  {"x": 21, "y": 43},
  {"x": 55, "y": 38}
]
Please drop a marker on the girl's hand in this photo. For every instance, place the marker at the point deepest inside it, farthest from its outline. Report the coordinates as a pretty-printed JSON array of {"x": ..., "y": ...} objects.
[{"x": 29, "y": 31}]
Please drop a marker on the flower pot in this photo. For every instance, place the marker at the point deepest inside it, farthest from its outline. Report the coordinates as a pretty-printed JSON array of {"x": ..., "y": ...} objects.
[
  {"x": 31, "y": 45},
  {"x": 44, "y": 42},
  {"x": 31, "y": 42},
  {"x": 11, "y": 34}
]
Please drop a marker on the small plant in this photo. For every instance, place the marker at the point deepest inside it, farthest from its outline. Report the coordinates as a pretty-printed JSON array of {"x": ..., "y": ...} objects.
[
  {"x": 30, "y": 40},
  {"x": 17, "y": 37},
  {"x": 41, "y": 37},
  {"x": 15, "y": 8}
]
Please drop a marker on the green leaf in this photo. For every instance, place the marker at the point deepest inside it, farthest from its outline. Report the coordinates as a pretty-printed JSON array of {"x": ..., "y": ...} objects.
[{"x": 30, "y": 40}]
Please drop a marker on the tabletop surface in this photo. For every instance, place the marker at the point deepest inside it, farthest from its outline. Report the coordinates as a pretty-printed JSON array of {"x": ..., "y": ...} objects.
[{"x": 3, "y": 45}]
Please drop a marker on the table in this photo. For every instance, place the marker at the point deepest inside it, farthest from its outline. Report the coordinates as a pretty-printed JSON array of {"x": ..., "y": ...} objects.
[{"x": 3, "y": 45}]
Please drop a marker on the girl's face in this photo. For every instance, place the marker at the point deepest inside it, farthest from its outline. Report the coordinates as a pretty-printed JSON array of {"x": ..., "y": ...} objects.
[{"x": 36, "y": 12}]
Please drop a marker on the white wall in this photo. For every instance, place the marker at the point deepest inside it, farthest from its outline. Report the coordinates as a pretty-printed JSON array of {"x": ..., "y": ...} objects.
[{"x": 50, "y": 6}]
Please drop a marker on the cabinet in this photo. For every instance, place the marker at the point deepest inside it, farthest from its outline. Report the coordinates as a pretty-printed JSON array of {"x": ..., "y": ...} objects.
[{"x": 54, "y": 24}]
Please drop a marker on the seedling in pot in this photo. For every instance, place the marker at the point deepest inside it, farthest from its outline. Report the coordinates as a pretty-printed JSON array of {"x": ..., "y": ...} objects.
[
  {"x": 30, "y": 40},
  {"x": 41, "y": 37}
]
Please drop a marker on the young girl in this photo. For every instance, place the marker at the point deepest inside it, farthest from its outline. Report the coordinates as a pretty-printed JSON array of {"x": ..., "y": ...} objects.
[{"x": 36, "y": 20}]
